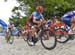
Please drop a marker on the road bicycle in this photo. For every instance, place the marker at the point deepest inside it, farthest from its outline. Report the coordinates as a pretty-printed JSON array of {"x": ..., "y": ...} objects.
[
  {"x": 9, "y": 37},
  {"x": 47, "y": 37}
]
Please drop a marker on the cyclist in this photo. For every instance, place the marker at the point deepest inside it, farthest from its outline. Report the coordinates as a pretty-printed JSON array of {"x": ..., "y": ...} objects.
[
  {"x": 36, "y": 19},
  {"x": 71, "y": 23},
  {"x": 25, "y": 29},
  {"x": 53, "y": 22},
  {"x": 9, "y": 30},
  {"x": 10, "y": 27}
]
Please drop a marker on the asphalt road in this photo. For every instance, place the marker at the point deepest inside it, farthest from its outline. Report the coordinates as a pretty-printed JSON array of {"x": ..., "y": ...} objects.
[{"x": 20, "y": 47}]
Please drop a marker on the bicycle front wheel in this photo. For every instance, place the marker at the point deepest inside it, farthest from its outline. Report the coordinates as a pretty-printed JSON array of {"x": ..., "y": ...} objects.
[
  {"x": 48, "y": 39},
  {"x": 11, "y": 40}
]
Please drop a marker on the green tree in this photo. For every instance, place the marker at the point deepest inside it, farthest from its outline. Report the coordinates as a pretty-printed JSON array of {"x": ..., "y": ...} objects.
[{"x": 51, "y": 7}]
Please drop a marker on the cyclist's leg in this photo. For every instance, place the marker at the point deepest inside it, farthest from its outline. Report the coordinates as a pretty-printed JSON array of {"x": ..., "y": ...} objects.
[
  {"x": 72, "y": 31},
  {"x": 33, "y": 31},
  {"x": 32, "y": 28},
  {"x": 7, "y": 35},
  {"x": 34, "y": 39},
  {"x": 72, "y": 23},
  {"x": 72, "y": 26}
]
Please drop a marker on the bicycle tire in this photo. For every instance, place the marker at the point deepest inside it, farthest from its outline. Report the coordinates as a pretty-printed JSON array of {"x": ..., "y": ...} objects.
[
  {"x": 11, "y": 40},
  {"x": 29, "y": 39},
  {"x": 55, "y": 40},
  {"x": 62, "y": 38}
]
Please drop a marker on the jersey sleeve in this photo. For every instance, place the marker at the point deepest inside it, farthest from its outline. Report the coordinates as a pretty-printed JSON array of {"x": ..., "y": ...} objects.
[
  {"x": 34, "y": 15},
  {"x": 37, "y": 15}
]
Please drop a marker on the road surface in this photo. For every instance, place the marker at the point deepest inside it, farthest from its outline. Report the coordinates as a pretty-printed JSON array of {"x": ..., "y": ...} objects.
[{"x": 20, "y": 47}]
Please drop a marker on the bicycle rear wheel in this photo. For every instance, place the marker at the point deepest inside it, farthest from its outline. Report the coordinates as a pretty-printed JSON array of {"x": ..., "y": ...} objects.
[
  {"x": 63, "y": 37},
  {"x": 29, "y": 39},
  {"x": 48, "y": 39}
]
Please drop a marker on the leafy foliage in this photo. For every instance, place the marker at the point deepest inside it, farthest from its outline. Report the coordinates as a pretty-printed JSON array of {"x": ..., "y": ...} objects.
[{"x": 51, "y": 7}]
